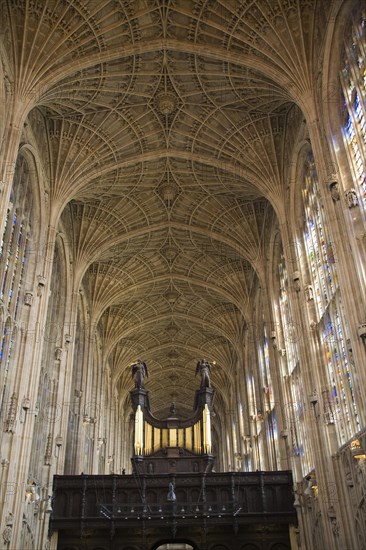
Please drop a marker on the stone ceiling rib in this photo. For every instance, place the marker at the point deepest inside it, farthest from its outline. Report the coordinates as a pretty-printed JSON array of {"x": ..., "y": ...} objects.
[{"x": 166, "y": 125}]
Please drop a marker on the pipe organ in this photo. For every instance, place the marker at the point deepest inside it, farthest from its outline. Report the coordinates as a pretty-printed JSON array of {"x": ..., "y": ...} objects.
[
  {"x": 196, "y": 438},
  {"x": 172, "y": 445}
]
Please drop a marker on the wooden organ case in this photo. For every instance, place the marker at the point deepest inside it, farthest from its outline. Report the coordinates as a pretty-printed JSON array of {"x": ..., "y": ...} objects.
[{"x": 172, "y": 445}]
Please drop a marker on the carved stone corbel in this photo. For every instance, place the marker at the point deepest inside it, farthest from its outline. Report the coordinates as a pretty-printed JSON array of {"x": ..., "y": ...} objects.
[
  {"x": 351, "y": 198},
  {"x": 334, "y": 191}
]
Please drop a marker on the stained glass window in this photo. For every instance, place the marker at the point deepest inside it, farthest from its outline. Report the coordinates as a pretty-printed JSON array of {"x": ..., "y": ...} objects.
[
  {"x": 251, "y": 395},
  {"x": 13, "y": 254},
  {"x": 340, "y": 405},
  {"x": 265, "y": 372},
  {"x": 353, "y": 79},
  {"x": 318, "y": 244},
  {"x": 7, "y": 278},
  {"x": 294, "y": 404},
  {"x": 296, "y": 420},
  {"x": 272, "y": 439},
  {"x": 338, "y": 399},
  {"x": 7, "y": 248},
  {"x": 286, "y": 320}
]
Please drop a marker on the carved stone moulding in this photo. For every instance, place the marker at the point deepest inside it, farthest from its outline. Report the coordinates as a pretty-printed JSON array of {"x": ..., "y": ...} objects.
[
  {"x": 334, "y": 190},
  {"x": 351, "y": 198},
  {"x": 28, "y": 298},
  {"x": 58, "y": 354},
  {"x": 361, "y": 331},
  {"x": 309, "y": 293}
]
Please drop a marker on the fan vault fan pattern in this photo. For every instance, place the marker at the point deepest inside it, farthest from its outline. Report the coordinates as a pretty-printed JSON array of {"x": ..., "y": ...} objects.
[{"x": 166, "y": 128}]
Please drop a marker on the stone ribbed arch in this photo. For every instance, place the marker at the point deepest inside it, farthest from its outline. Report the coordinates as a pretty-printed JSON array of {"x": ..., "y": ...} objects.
[
  {"x": 106, "y": 242},
  {"x": 34, "y": 162},
  {"x": 80, "y": 183},
  {"x": 279, "y": 74},
  {"x": 88, "y": 35},
  {"x": 135, "y": 290},
  {"x": 120, "y": 331},
  {"x": 120, "y": 364}
]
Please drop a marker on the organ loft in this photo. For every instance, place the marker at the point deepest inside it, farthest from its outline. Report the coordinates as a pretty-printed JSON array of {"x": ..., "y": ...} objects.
[{"x": 173, "y": 492}]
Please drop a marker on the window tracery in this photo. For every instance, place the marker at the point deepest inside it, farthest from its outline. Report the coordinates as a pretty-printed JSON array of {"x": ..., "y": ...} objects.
[
  {"x": 353, "y": 81},
  {"x": 286, "y": 318},
  {"x": 340, "y": 405},
  {"x": 294, "y": 406},
  {"x": 318, "y": 245},
  {"x": 265, "y": 372},
  {"x": 13, "y": 258},
  {"x": 327, "y": 297}
]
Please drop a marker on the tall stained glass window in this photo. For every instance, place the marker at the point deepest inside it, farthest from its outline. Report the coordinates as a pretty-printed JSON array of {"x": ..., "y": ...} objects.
[
  {"x": 297, "y": 427},
  {"x": 318, "y": 244},
  {"x": 338, "y": 399},
  {"x": 266, "y": 381},
  {"x": 286, "y": 320},
  {"x": 293, "y": 388},
  {"x": 338, "y": 392},
  {"x": 353, "y": 79},
  {"x": 13, "y": 255},
  {"x": 267, "y": 419}
]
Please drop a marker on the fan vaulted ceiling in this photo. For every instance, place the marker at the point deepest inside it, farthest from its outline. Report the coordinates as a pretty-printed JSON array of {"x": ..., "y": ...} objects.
[{"x": 168, "y": 129}]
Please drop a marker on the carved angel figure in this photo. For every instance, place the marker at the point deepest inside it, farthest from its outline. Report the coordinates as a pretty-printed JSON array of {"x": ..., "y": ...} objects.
[
  {"x": 204, "y": 369},
  {"x": 139, "y": 371}
]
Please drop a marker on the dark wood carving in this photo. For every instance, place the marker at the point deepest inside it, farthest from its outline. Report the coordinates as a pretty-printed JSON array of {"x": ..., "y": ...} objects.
[{"x": 134, "y": 511}]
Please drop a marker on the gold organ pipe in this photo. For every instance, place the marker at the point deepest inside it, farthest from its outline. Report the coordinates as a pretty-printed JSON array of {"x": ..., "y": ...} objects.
[
  {"x": 148, "y": 438},
  {"x": 207, "y": 443},
  {"x": 164, "y": 439},
  {"x": 139, "y": 431},
  {"x": 180, "y": 437},
  {"x": 189, "y": 438},
  {"x": 197, "y": 437},
  {"x": 157, "y": 433},
  {"x": 173, "y": 437}
]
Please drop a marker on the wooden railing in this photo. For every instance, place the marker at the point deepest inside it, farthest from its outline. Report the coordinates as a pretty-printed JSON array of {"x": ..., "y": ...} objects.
[
  {"x": 216, "y": 497},
  {"x": 206, "y": 510}
]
